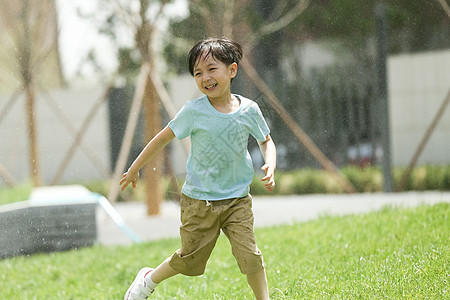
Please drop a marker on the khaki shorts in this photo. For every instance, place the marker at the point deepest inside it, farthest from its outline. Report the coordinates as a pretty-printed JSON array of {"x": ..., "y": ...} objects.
[{"x": 201, "y": 222}]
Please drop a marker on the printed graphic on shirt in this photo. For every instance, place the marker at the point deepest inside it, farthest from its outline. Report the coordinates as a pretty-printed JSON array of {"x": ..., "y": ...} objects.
[
  {"x": 219, "y": 153},
  {"x": 234, "y": 138},
  {"x": 210, "y": 161}
]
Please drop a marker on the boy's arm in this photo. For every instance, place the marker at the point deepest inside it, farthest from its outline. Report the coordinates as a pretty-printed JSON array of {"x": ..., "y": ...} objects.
[
  {"x": 150, "y": 151},
  {"x": 269, "y": 154}
]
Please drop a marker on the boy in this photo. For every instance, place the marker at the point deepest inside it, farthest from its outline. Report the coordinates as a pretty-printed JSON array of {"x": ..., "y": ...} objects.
[{"x": 215, "y": 195}]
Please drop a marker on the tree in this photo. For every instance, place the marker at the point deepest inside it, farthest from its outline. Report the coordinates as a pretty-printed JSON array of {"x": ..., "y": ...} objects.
[
  {"x": 141, "y": 18},
  {"x": 29, "y": 41},
  {"x": 413, "y": 25}
]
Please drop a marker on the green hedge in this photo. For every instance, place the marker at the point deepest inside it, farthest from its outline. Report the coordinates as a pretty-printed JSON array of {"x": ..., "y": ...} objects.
[
  {"x": 313, "y": 181},
  {"x": 365, "y": 180},
  {"x": 304, "y": 181}
]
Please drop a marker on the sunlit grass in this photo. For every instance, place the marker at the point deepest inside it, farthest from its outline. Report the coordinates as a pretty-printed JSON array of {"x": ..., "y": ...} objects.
[
  {"x": 15, "y": 194},
  {"x": 391, "y": 254}
]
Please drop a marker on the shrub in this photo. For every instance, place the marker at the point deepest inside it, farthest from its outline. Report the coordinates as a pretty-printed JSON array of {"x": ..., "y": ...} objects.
[
  {"x": 434, "y": 178},
  {"x": 365, "y": 180},
  {"x": 398, "y": 175},
  {"x": 446, "y": 179}
]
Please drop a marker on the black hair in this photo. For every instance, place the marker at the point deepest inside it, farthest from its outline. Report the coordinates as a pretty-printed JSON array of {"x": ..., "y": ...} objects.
[{"x": 221, "y": 49}]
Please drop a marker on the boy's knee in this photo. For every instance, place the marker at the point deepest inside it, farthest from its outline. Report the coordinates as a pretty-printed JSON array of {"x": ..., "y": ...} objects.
[
  {"x": 250, "y": 262},
  {"x": 191, "y": 265}
]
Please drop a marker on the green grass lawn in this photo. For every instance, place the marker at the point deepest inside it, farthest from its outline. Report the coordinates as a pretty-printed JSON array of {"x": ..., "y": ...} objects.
[
  {"x": 391, "y": 254},
  {"x": 15, "y": 194}
]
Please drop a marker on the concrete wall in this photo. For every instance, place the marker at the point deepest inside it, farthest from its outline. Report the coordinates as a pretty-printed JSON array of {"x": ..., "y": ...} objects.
[
  {"x": 418, "y": 84},
  {"x": 56, "y": 136}
]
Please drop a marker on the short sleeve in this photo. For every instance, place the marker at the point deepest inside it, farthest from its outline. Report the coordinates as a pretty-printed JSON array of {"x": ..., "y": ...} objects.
[
  {"x": 181, "y": 124},
  {"x": 259, "y": 130}
]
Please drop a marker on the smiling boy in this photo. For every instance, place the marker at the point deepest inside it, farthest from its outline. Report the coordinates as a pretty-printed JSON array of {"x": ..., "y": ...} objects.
[{"x": 215, "y": 196}]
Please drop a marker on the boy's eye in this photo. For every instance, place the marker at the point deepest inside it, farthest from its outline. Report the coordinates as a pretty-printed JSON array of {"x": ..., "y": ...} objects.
[{"x": 196, "y": 74}]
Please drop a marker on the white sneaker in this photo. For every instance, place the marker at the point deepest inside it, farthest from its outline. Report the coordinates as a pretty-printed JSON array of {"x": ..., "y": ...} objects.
[{"x": 139, "y": 289}]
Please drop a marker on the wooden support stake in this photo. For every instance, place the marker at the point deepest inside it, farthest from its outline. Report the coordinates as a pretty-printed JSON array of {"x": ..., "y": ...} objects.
[{"x": 129, "y": 132}]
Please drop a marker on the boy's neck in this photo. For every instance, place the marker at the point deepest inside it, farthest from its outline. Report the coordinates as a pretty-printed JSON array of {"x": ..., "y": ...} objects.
[{"x": 226, "y": 105}]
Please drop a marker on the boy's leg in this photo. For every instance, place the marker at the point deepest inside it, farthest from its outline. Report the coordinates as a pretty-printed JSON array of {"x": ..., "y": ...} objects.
[
  {"x": 163, "y": 271},
  {"x": 258, "y": 282},
  {"x": 199, "y": 232},
  {"x": 238, "y": 227}
]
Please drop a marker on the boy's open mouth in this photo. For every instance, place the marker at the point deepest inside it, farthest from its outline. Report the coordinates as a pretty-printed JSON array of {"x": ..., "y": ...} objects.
[{"x": 210, "y": 86}]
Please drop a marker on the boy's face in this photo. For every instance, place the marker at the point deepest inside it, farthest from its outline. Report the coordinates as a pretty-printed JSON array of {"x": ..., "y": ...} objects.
[{"x": 213, "y": 77}]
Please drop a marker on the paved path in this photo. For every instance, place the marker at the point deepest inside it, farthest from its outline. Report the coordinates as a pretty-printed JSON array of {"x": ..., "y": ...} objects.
[{"x": 268, "y": 211}]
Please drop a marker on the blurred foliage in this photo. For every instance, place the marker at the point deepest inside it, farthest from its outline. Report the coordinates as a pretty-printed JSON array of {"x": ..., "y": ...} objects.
[
  {"x": 29, "y": 45},
  {"x": 365, "y": 180},
  {"x": 247, "y": 22},
  {"x": 129, "y": 25},
  {"x": 199, "y": 25},
  {"x": 413, "y": 25}
]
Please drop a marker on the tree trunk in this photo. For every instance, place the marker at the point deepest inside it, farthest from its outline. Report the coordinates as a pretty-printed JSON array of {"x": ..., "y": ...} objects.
[
  {"x": 32, "y": 135},
  {"x": 30, "y": 92},
  {"x": 153, "y": 170}
]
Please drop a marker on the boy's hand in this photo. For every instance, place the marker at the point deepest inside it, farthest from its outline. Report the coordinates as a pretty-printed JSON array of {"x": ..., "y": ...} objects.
[
  {"x": 129, "y": 177},
  {"x": 269, "y": 170}
]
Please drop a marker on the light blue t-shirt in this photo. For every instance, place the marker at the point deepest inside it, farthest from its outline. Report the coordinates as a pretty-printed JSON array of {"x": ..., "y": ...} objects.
[{"x": 219, "y": 165}]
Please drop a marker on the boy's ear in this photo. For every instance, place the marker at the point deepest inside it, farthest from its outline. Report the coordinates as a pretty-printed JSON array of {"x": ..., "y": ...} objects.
[{"x": 233, "y": 69}]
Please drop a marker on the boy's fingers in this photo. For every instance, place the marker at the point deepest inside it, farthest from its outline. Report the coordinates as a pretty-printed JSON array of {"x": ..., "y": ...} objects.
[
  {"x": 267, "y": 177},
  {"x": 124, "y": 178},
  {"x": 269, "y": 184}
]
